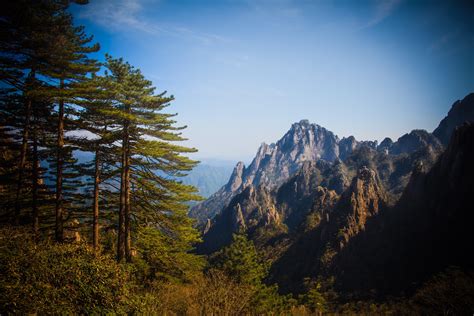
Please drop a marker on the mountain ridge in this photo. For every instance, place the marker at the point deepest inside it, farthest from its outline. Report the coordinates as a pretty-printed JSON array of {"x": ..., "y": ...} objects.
[
  {"x": 320, "y": 221},
  {"x": 275, "y": 163}
]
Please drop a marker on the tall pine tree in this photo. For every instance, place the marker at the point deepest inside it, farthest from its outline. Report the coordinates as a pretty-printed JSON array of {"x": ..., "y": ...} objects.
[
  {"x": 151, "y": 161},
  {"x": 70, "y": 68}
]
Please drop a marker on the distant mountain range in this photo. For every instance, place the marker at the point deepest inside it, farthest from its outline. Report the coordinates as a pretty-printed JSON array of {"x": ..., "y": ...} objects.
[
  {"x": 209, "y": 176},
  {"x": 377, "y": 218}
]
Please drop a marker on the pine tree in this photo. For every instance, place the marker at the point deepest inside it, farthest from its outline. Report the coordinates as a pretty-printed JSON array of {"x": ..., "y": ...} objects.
[
  {"x": 70, "y": 67},
  {"x": 240, "y": 261},
  {"x": 150, "y": 160},
  {"x": 94, "y": 119},
  {"x": 39, "y": 42}
]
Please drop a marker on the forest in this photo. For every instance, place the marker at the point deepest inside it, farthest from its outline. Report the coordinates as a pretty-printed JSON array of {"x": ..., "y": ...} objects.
[{"x": 112, "y": 235}]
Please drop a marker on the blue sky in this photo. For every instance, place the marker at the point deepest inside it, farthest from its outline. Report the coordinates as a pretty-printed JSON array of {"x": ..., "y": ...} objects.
[{"x": 243, "y": 71}]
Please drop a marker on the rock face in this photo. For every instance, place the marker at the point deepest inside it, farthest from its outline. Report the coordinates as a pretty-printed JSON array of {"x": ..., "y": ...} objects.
[
  {"x": 386, "y": 145},
  {"x": 364, "y": 199},
  {"x": 283, "y": 210},
  {"x": 274, "y": 164},
  {"x": 461, "y": 111},
  {"x": 206, "y": 209},
  {"x": 247, "y": 211},
  {"x": 347, "y": 146},
  {"x": 413, "y": 141},
  {"x": 331, "y": 224},
  {"x": 428, "y": 230}
]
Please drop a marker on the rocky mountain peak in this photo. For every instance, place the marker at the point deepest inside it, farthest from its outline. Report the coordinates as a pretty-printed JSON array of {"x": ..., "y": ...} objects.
[
  {"x": 415, "y": 140},
  {"x": 461, "y": 111},
  {"x": 276, "y": 163},
  {"x": 347, "y": 146},
  {"x": 235, "y": 180},
  {"x": 386, "y": 145}
]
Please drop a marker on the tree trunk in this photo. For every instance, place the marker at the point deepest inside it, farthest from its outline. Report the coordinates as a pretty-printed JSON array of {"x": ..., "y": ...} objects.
[
  {"x": 128, "y": 241},
  {"x": 35, "y": 181},
  {"x": 95, "y": 221},
  {"x": 59, "y": 229},
  {"x": 23, "y": 150},
  {"x": 123, "y": 189}
]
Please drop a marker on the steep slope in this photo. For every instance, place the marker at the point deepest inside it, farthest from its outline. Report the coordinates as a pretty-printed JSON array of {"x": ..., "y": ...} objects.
[
  {"x": 270, "y": 215},
  {"x": 274, "y": 164},
  {"x": 461, "y": 111},
  {"x": 428, "y": 230},
  {"x": 311, "y": 253},
  {"x": 293, "y": 199},
  {"x": 207, "y": 209},
  {"x": 347, "y": 242}
]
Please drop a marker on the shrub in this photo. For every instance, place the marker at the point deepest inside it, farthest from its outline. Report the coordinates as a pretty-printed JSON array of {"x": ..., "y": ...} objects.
[{"x": 51, "y": 278}]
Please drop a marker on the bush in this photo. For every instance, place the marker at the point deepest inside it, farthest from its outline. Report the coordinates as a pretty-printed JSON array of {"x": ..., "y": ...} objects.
[
  {"x": 51, "y": 278},
  {"x": 449, "y": 293}
]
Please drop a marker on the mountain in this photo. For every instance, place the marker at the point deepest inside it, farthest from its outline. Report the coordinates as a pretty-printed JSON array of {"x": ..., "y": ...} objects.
[
  {"x": 276, "y": 163},
  {"x": 461, "y": 111},
  {"x": 338, "y": 222},
  {"x": 413, "y": 141},
  {"x": 371, "y": 249},
  {"x": 293, "y": 201},
  {"x": 376, "y": 219},
  {"x": 305, "y": 142},
  {"x": 208, "y": 177},
  {"x": 266, "y": 214},
  {"x": 427, "y": 231},
  {"x": 206, "y": 210}
]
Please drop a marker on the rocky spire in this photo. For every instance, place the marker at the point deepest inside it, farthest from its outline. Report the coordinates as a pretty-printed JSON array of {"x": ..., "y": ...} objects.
[
  {"x": 235, "y": 180},
  {"x": 364, "y": 199},
  {"x": 238, "y": 221},
  {"x": 461, "y": 111}
]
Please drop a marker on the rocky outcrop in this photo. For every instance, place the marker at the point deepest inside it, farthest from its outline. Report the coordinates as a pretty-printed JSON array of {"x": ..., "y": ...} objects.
[
  {"x": 428, "y": 230},
  {"x": 347, "y": 146},
  {"x": 276, "y": 163},
  {"x": 461, "y": 111},
  {"x": 248, "y": 210},
  {"x": 386, "y": 145},
  {"x": 207, "y": 227},
  {"x": 206, "y": 210},
  {"x": 238, "y": 221},
  {"x": 364, "y": 199},
  {"x": 413, "y": 141},
  {"x": 330, "y": 225},
  {"x": 283, "y": 210},
  {"x": 235, "y": 180}
]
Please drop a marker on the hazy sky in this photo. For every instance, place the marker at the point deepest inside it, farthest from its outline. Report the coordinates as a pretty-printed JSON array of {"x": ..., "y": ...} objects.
[{"x": 243, "y": 71}]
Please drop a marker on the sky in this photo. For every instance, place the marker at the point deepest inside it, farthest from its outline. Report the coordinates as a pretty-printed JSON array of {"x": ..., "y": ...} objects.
[{"x": 243, "y": 71}]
